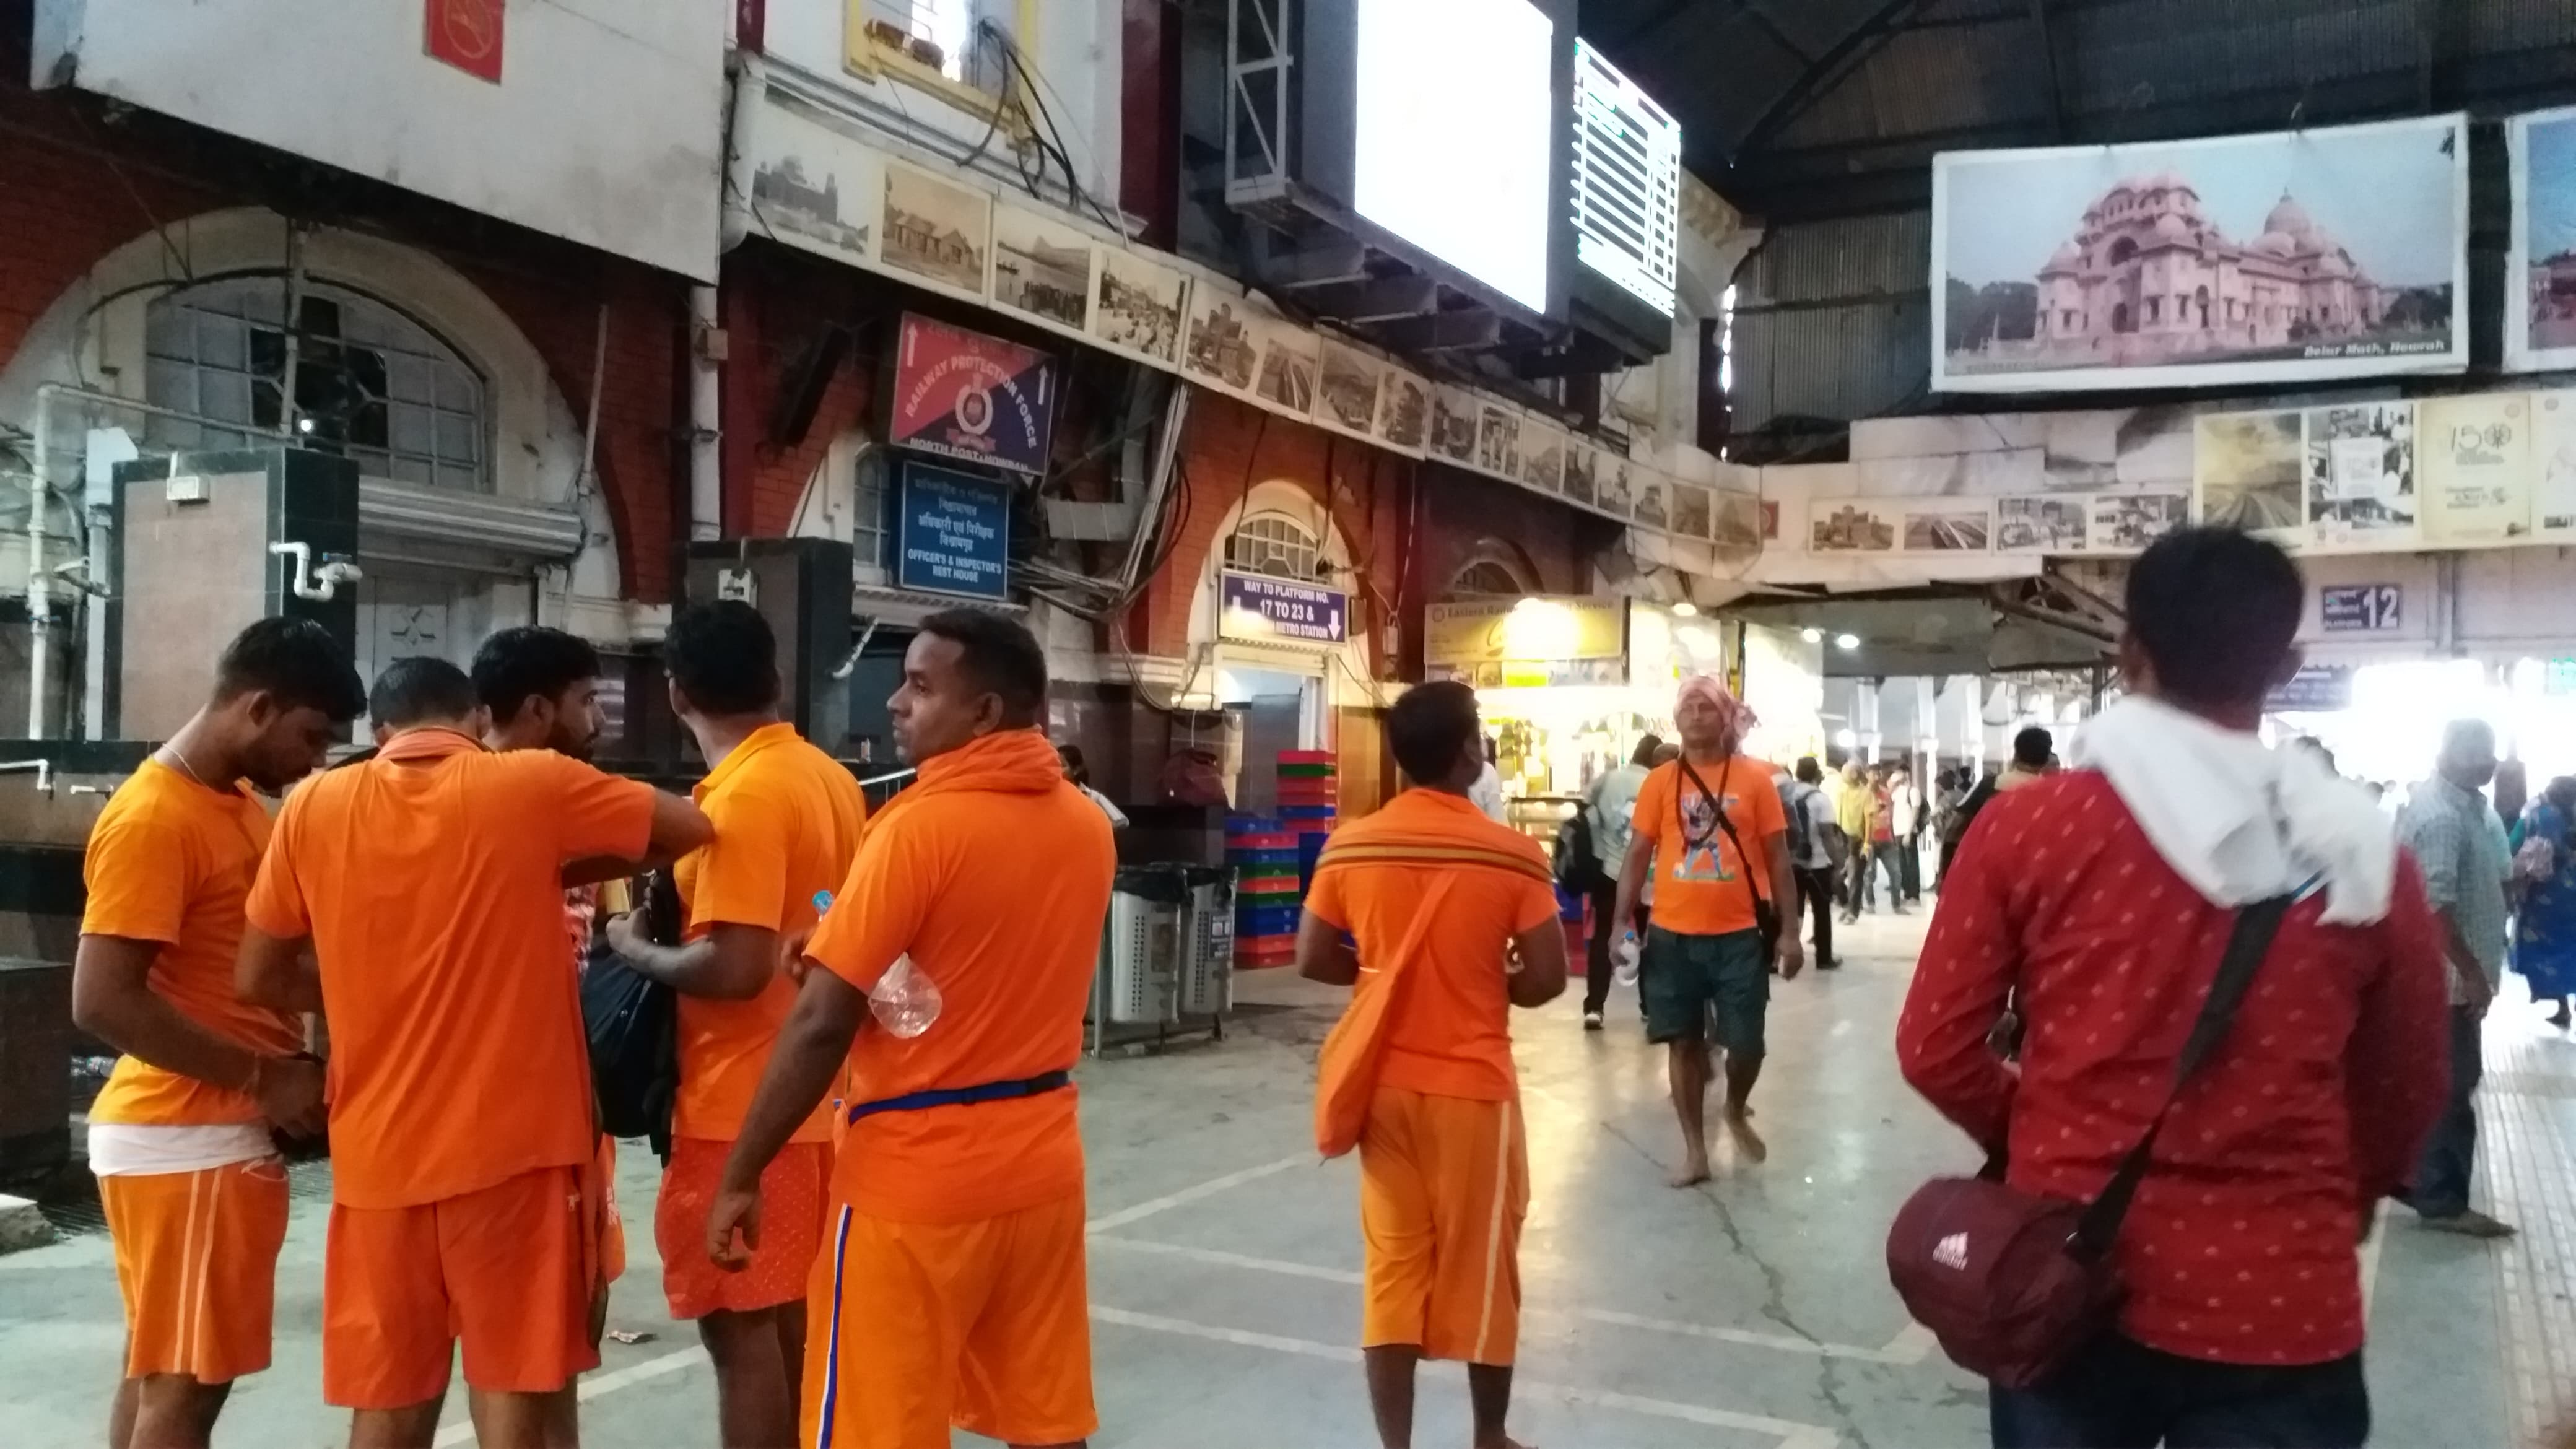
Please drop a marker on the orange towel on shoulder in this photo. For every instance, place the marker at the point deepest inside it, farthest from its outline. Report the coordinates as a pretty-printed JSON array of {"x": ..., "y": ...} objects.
[{"x": 1346, "y": 1079}]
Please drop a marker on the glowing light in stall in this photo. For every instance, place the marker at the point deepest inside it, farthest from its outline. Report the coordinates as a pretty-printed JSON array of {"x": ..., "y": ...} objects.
[
  {"x": 1812, "y": 636},
  {"x": 1847, "y": 739},
  {"x": 1685, "y": 609},
  {"x": 1540, "y": 629},
  {"x": 1847, "y": 641}
]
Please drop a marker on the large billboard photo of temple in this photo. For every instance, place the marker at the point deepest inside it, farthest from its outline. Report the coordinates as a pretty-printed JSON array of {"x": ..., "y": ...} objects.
[{"x": 2324, "y": 258}]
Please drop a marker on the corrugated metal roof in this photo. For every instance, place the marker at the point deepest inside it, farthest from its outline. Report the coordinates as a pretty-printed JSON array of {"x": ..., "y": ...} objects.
[
  {"x": 1809, "y": 107},
  {"x": 1845, "y": 258},
  {"x": 1840, "y": 360}
]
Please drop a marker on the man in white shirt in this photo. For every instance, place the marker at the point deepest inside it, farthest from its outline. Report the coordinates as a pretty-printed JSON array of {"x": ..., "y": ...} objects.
[
  {"x": 1487, "y": 793},
  {"x": 1607, "y": 807},
  {"x": 1813, "y": 828},
  {"x": 1905, "y": 803}
]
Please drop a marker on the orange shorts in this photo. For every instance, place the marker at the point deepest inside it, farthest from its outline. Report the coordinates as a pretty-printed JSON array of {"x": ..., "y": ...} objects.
[
  {"x": 612, "y": 1226},
  {"x": 1444, "y": 1184},
  {"x": 913, "y": 1327},
  {"x": 794, "y": 1197},
  {"x": 510, "y": 1270},
  {"x": 196, "y": 1260}
]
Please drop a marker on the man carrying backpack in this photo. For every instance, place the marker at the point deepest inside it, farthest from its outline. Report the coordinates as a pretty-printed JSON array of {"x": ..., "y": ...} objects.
[
  {"x": 1606, "y": 810},
  {"x": 1816, "y": 850}
]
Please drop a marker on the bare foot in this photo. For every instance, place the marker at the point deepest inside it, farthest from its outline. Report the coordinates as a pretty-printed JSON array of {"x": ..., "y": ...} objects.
[
  {"x": 1747, "y": 1141},
  {"x": 1505, "y": 1442},
  {"x": 1693, "y": 1173}
]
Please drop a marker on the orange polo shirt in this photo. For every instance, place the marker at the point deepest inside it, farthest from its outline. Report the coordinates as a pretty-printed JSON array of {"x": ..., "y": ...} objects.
[
  {"x": 1450, "y": 1036},
  {"x": 430, "y": 881},
  {"x": 787, "y": 820},
  {"x": 997, "y": 894},
  {"x": 1702, "y": 887},
  {"x": 171, "y": 861}
]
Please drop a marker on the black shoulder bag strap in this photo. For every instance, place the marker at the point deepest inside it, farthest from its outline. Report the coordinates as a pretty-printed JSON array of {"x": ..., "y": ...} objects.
[
  {"x": 1766, "y": 912},
  {"x": 2247, "y": 944}
]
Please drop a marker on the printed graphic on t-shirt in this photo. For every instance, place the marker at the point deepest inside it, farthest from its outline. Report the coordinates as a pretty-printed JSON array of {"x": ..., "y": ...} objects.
[{"x": 1702, "y": 837}]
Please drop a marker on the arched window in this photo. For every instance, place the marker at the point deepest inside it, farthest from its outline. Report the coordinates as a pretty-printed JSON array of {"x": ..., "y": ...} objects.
[
  {"x": 370, "y": 383},
  {"x": 1485, "y": 578},
  {"x": 1274, "y": 544}
]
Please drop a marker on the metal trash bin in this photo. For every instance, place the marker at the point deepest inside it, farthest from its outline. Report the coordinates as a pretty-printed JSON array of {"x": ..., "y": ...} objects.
[
  {"x": 1147, "y": 904},
  {"x": 1207, "y": 934}
]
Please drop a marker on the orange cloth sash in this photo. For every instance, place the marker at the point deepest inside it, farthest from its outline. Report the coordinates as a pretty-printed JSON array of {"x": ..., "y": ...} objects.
[{"x": 1346, "y": 1078}]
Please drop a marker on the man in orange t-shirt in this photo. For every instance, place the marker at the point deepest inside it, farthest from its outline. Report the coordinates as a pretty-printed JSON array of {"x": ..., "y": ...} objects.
[
  {"x": 1710, "y": 828},
  {"x": 951, "y": 1287},
  {"x": 192, "y": 1185},
  {"x": 787, "y": 820},
  {"x": 1463, "y": 912},
  {"x": 539, "y": 688},
  {"x": 427, "y": 883}
]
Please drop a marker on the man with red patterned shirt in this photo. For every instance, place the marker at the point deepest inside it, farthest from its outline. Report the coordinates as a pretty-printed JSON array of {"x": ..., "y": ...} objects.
[{"x": 2104, "y": 897}]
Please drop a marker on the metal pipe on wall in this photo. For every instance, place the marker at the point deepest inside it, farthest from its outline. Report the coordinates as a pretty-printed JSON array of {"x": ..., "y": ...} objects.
[
  {"x": 706, "y": 436},
  {"x": 39, "y": 580}
]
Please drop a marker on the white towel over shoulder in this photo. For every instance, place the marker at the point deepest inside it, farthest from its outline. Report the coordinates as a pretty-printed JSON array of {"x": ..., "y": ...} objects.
[{"x": 2240, "y": 822}]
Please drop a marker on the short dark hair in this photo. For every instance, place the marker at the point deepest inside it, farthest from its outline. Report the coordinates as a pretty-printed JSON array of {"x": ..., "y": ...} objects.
[
  {"x": 297, "y": 663},
  {"x": 2214, "y": 610},
  {"x": 1808, "y": 770},
  {"x": 999, "y": 656},
  {"x": 1431, "y": 726},
  {"x": 723, "y": 656},
  {"x": 2033, "y": 746},
  {"x": 1645, "y": 751},
  {"x": 418, "y": 688},
  {"x": 529, "y": 662}
]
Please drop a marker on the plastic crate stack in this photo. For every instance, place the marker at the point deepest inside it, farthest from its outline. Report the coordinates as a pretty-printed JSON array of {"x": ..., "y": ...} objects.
[
  {"x": 1263, "y": 851},
  {"x": 1309, "y": 803}
]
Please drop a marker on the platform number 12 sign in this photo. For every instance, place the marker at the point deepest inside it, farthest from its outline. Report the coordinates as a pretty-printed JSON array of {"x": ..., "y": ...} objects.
[{"x": 2359, "y": 608}]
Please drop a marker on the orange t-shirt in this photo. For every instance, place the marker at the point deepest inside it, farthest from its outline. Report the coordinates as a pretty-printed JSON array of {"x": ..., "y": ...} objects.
[
  {"x": 998, "y": 897},
  {"x": 1701, "y": 885},
  {"x": 787, "y": 820},
  {"x": 431, "y": 881},
  {"x": 171, "y": 861},
  {"x": 1451, "y": 1034}
]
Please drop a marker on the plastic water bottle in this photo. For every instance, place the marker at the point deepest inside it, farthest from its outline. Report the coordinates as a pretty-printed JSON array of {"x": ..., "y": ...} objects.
[
  {"x": 905, "y": 1000},
  {"x": 1625, "y": 957}
]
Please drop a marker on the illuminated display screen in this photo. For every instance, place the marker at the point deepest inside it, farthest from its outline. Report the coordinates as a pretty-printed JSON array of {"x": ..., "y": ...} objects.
[
  {"x": 1627, "y": 182},
  {"x": 1456, "y": 106}
]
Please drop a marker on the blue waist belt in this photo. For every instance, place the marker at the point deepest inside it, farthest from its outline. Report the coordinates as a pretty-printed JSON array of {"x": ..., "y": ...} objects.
[{"x": 1038, "y": 1085}]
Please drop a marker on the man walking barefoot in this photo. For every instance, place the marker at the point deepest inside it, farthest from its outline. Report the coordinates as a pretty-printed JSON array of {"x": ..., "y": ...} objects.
[{"x": 1709, "y": 829}]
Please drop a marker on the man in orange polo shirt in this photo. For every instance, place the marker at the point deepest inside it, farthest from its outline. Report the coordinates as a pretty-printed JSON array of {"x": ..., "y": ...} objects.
[
  {"x": 951, "y": 1287},
  {"x": 1710, "y": 828},
  {"x": 539, "y": 688},
  {"x": 1462, "y": 912},
  {"x": 787, "y": 820},
  {"x": 427, "y": 883},
  {"x": 191, "y": 1182}
]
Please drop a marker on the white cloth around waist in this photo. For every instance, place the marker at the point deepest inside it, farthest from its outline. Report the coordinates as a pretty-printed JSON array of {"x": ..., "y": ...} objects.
[{"x": 122, "y": 1149}]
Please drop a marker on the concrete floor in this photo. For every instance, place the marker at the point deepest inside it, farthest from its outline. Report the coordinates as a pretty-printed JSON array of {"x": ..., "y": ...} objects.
[{"x": 1752, "y": 1313}]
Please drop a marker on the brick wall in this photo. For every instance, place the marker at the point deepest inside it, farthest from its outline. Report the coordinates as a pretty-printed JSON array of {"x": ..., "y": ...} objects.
[
  {"x": 1463, "y": 512},
  {"x": 777, "y": 303},
  {"x": 74, "y": 186},
  {"x": 1230, "y": 448}
]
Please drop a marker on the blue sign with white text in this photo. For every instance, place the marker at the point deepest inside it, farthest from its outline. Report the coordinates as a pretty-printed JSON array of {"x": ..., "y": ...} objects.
[{"x": 952, "y": 531}]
